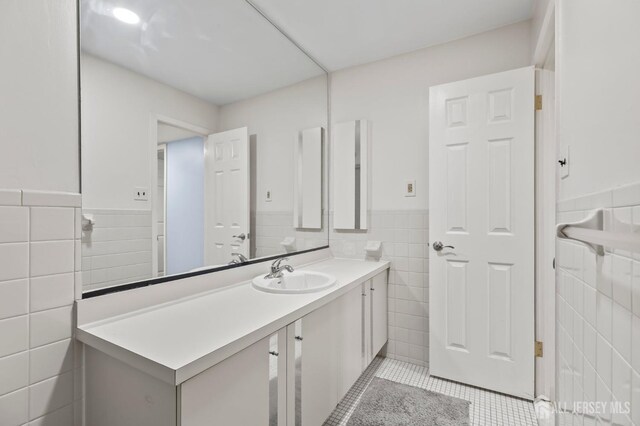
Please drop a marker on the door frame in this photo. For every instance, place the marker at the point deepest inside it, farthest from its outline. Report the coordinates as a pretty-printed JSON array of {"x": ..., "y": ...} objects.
[
  {"x": 154, "y": 121},
  {"x": 163, "y": 147},
  {"x": 546, "y": 177}
]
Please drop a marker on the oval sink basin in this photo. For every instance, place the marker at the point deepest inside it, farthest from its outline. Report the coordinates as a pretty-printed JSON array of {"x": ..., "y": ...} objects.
[{"x": 295, "y": 282}]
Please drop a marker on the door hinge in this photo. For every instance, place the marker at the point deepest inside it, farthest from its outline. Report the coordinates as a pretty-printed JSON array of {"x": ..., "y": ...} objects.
[
  {"x": 538, "y": 349},
  {"x": 538, "y": 102}
]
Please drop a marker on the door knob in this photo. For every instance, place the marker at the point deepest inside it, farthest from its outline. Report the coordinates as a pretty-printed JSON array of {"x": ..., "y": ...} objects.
[
  {"x": 438, "y": 246},
  {"x": 240, "y": 236}
]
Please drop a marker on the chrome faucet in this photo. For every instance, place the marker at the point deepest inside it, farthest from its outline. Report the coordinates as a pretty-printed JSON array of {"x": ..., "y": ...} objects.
[
  {"x": 276, "y": 269},
  {"x": 240, "y": 259}
]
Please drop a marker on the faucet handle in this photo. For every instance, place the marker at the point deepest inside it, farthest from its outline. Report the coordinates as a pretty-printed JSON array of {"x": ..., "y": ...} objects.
[
  {"x": 240, "y": 256},
  {"x": 276, "y": 263}
]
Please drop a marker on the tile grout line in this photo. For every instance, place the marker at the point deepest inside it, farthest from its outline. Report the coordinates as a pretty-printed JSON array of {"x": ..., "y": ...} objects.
[{"x": 29, "y": 310}]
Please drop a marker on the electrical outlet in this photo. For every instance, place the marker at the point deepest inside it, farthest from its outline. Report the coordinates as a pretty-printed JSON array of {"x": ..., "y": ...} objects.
[
  {"x": 410, "y": 188},
  {"x": 268, "y": 196},
  {"x": 141, "y": 194}
]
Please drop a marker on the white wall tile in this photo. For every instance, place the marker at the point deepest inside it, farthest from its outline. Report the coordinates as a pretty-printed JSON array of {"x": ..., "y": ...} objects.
[
  {"x": 52, "y": 257},
  {"x": 14, "y": 334},
  {"x": 603, "y": 360},
  {"x": 621, "y": 280},
  {"x": 603, "y": 275},
  {"x": 620, "y": 378},
  {"x": 51, "y": 394},
  {"x": 635, "y": 288},
  {"x": 628, "y": 195},
  {"x": 116, "y": 249},
  {"x": 14, "y": 409},
  {"x": 77, "y": 223},
  {"x": 61, "y": 417},
  {"x": 10, "y": 197},
  {"x": 635, "y": 397},
  {"x": 14, "y": 298},
  {"x": 52, "y": 223},
  {"x": 590, "y": 305},
  {"x": 21, "y": 328},
  {"x": 14, "y": 372},
  {"x": 52, "y": 291},
  {"x": 635, "y": 343},
  {"x": 621, "y": 331},
  {"x": 589, "y": 344},
  {"x": 589, "y": 382},
  {"x": 404, "y": 237},
  {"x": 77, "y": 249},
  {"x": 14, "y": 261},
  {"x": 604, "y": 307},
  {"x": 50, "y": 326},
  {"x": 50, "y": 360},
  {"x": 51, "y": 199},
  {"x": 14, "y": 224}
]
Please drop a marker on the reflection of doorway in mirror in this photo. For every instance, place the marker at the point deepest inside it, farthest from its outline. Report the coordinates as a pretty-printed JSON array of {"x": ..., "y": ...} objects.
[
  {"x": 177, "y": 199},
  {"x": 184, "y": 200},
  {"x": 160, "y": 207}
]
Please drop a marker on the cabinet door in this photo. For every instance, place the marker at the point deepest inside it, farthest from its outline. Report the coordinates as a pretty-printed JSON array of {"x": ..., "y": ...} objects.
[
  {"x": 350, "y": 332},
  {"x": 366, "y": 293},
  {"x": 379, "y": 319},
  {"x": 233, "y": 392},
  {"x": 312, "y": 357}
]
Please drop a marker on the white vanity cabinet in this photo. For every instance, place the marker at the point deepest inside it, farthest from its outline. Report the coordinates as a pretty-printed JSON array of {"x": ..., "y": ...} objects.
[
  {"x": 331, "y": 347},
  {"x": 296, "y": 376},
  {"x": 312, "y": 367},
  {"x": 233, "y": 392},
  {"x": 376, "y": 321}
]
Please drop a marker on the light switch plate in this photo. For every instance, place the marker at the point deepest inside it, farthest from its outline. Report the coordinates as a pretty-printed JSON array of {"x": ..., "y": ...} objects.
[
  {"x": 410, "y": 188},
  {"x": 141, "y": 194},
  {"x": 268, "y": 196}
]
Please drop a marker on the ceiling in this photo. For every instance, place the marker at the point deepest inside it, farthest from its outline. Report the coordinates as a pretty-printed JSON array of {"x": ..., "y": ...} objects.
[
  {"x": 223, "y": 50},
  {"x": 344, "y": 33},
  {"x": 218, "y": 50}
]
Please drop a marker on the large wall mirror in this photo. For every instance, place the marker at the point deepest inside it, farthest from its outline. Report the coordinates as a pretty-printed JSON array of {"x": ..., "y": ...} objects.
[{"x": 203, "y": 141}]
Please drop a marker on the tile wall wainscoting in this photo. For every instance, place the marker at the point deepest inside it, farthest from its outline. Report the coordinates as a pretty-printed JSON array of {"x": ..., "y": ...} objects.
[
  {"x": 598, "y": 313},
  {"x": 273, "y": 227},
  {"x": 404, "y": 235},
  {"x": 118, "y": 249},
  {"x": 39, "y": 280}
]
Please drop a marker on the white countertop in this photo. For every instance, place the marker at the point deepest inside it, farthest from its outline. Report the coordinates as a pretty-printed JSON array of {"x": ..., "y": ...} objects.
[{"x": 177, "y": 340}]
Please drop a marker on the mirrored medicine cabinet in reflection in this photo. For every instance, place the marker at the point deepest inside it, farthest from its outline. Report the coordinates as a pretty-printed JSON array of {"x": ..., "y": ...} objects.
[{"x": 203, "y": 140}]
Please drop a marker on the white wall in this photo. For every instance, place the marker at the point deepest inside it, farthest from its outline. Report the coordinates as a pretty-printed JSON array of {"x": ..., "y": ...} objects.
[
  {"x": 276, "y": 118},
  {"x": 394, "y": 95},
  {"x": 598, "y": 297},
  {"x": 39, "y": 87},
  {"x": 542, "y": 13},
  {"x": 117, "y": 106},
  {"x": 38, "y": 232},
  {"x": 598, "y": 59}
]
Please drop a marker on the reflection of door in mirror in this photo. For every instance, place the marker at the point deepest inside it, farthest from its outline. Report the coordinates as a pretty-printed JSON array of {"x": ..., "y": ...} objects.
[{"x": 227, "y": 196}]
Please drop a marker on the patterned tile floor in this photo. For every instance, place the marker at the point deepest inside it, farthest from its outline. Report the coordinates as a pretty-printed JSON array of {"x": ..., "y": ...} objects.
[{"x": 487, "y": 408}]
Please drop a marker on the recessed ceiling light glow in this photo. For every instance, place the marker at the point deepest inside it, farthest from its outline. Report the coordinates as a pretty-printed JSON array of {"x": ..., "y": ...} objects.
[{"x": 125, "y": 15}]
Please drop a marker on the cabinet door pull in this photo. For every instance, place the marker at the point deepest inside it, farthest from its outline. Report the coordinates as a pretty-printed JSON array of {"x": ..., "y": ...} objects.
[
  {"x": 298, "y": 338},
  {"x": 274, "y": 353}
]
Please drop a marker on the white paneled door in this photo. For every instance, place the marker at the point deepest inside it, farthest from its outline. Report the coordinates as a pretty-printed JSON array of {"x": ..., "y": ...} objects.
[
  {"x": 481, "y": 200},
  {"x": 226, "y": 196}
]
